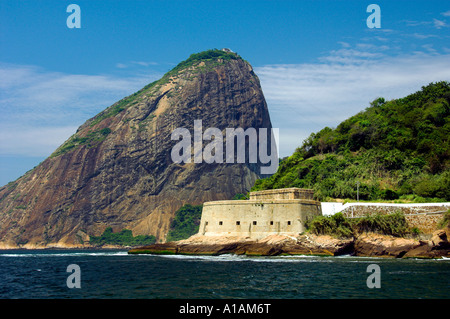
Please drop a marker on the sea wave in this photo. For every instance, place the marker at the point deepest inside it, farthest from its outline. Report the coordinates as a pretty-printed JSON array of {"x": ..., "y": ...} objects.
[
  {"x": 244, "y": 258},
  {"x": 63, "y": 254}
]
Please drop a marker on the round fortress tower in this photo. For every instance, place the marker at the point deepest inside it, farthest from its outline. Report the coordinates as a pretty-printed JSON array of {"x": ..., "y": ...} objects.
[{"x": 276, "y": 211}]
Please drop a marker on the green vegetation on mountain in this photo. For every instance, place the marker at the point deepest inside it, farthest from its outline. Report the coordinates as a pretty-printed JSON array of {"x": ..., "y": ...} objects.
[
  {"x": 396, "y": 149},
  {"x": 116, "y": 108},
  {"x": 91, "y": 139},
  {"x": 186, "y": 222},
  {"x": 205, "y": 56},
  {"x": 122, "y": 238}
]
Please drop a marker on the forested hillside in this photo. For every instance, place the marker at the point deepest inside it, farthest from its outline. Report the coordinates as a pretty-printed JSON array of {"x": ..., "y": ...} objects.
[{"x": 396, "y": 149}]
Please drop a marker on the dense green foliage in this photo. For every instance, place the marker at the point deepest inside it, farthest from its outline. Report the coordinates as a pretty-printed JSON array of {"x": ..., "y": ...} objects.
[
  {"x": 395, "y": 149},
  {"x": 116, "y": 108},
  {"x": 335, "y": 225},
  {"x": 339, "y": 226},
  {"x": 186, "y": 222},
  {"x": 209, "y": 55},
  {"x": 122, "y": 238},
  {"x": 240, "y": 197},
  {"x": 392, "y": 224},
  {"x": 211, "y": 59},
  {"x": 445, "y": 222}
]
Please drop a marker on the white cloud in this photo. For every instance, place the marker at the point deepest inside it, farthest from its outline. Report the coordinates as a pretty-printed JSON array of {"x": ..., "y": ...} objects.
[
  {"x": 121, "y": 66},
  {"x": 413, "y": 23},
  {"x": 143, "y": 63},
  {"x": 344, "y": 44},
  {"x": 351, "y": 55},
  {"x": 436, "y": 23},
  {"x": 135, "y": 63},
  {"x": 304, "y": 98},
  {"x": 439, "y": 23},
  {"x": 423, "y": 36},
  {"x": 429, "y": 48}
]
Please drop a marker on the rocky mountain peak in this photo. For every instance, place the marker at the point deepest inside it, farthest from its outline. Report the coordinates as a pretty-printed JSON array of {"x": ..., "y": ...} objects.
[{"x": 116, "y": 170}]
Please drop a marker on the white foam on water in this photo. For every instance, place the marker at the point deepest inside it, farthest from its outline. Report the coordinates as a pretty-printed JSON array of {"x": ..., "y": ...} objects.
[
  {"x": 65, "y": 254},
  {"x": 244, "y": 258},
  {"x": 225, "y": 257}
]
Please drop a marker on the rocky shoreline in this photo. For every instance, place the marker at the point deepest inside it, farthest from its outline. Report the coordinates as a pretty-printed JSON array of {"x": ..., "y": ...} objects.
[{"x": 364, "y": 245}]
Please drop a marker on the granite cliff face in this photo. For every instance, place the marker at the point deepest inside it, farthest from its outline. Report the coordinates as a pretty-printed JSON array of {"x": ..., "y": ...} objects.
[{"x": 117, "y": 171}]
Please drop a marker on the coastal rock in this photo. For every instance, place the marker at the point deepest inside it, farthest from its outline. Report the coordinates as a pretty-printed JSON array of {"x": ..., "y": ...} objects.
[
  {"x": 216, "y": 246},
  {"x": 371, "y": 244},
  {"x": 318, "y": 245},
  {"x": 425, "y": 250},
  {"x": 437, "y": 247},
  {"x": 365, "y": 245},
  {"x": 272, "y": 245},
  {"x": 117, "y": 171},
  {"x": 166, "y": 249},
  {"x": 439, "y": 239}
]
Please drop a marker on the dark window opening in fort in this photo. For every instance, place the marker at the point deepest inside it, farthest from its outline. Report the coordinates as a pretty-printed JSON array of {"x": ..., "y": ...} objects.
[
  {"x": 238, "y": 223},
  {"x": 220, "y": 223},
  {"x": 289, "y": 222},
  {"x": 254, "y": 222},
  {"x": 206, "y": 223},
  {"x": 271, "y": 222}
]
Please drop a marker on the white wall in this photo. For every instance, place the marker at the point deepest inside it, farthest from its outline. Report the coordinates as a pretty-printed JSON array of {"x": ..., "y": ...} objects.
[{"x": 331, "y": 208}]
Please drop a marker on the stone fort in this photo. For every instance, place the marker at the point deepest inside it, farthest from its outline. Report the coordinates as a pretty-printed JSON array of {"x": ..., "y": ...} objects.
[{"x": 277, "y": 211}]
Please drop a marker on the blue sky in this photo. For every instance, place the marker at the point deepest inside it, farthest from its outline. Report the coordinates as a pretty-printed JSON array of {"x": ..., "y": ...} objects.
[{"x": 318, "y": 62}]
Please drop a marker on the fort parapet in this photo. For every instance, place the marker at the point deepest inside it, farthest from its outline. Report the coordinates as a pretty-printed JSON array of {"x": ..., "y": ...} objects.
[
  {"x": 278, "y": 211},
  {"x": 283, "y": 193}
]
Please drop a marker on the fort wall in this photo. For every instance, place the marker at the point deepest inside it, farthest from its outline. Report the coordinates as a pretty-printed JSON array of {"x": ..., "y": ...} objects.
[
  {"x": 283, "y": 193},
  {"x": 282, "y": 211}
]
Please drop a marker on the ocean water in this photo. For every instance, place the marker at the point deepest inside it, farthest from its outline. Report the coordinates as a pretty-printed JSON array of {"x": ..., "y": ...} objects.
[{"x": 108, "y": 274}]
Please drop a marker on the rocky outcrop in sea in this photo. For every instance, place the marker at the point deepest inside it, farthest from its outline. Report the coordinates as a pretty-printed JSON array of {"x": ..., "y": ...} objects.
[{"x": 364, "y": 245}]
